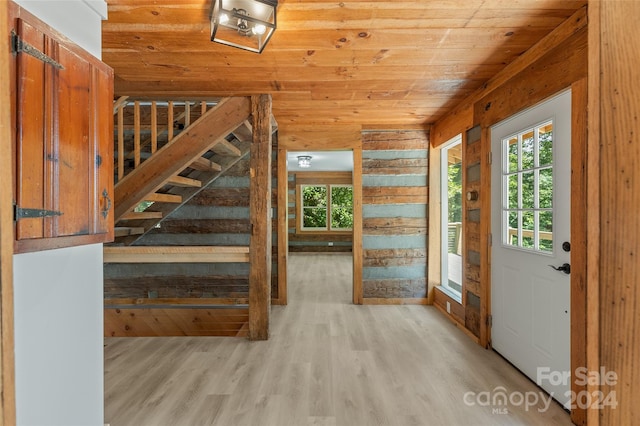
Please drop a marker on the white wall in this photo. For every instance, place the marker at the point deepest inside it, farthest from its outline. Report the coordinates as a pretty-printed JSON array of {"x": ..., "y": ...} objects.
[
  {"x": 58, "y": 339},
  {"x": 58, "y": 293},
  {"x": 79, "y": 20}
]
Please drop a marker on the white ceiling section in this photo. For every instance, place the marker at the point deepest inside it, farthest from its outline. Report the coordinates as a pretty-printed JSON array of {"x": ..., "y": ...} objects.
[{"x": 322, "y": 161}]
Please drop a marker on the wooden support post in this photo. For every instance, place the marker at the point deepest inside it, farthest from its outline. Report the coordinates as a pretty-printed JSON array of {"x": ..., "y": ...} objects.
[
  {"x": 260, "y": 216},
  {"x": 7, "y": 358},
  {"x": 613, "y": 228}
]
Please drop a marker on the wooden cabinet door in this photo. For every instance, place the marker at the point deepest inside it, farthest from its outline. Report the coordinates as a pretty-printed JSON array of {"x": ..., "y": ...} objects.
[{"x": 64, "y": 141}]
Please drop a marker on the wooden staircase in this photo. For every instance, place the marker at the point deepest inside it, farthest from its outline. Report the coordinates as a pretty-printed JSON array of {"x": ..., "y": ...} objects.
[{"x": 161, "y": 167}]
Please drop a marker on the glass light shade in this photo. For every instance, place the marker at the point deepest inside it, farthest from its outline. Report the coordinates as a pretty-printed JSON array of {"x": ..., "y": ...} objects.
[
  {"x": 304, "y": 161},
  {"x": 245, "y": 24}
]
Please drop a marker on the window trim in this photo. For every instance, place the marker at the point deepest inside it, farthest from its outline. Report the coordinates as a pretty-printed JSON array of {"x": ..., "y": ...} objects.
[
  {"x": 300, "y": 229},
  {"x": 444, "y": 219}
]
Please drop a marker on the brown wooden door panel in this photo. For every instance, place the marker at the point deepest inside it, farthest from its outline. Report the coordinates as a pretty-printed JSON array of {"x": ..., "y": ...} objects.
[
  {"x": 30, "y": 167},
  {"x": 71, "y": 151},
  {"x": 64, "y": 141},
  {"x": 103, "y": 151}
]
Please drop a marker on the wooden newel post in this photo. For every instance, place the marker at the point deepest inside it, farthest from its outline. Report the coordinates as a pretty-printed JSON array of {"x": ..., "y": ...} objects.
[{"x": 260, "y": 216}]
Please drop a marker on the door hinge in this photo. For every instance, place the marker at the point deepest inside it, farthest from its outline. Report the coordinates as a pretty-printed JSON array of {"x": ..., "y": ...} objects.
[
  {"x": 20, "y": 213},
  {"x": 20, "y": 46},
  {"x": 489, "y": 321},
  {"x": 490, "y": 239}
]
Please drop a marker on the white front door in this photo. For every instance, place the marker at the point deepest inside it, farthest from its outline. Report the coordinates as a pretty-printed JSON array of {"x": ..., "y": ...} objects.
[{"x": 530, "y": 204}]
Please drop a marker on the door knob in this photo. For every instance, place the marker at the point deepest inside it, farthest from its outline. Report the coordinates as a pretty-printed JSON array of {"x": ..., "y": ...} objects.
[{"x": 566, "y": 268}]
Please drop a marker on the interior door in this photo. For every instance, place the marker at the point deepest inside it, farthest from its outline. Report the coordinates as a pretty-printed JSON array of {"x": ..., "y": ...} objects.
[{"x": 530, "y": 297}]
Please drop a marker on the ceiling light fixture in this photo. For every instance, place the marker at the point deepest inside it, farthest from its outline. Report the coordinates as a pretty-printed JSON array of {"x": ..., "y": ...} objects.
[
  {"x": 245, "y": 24},
  {"x": 304, "y": 161}
]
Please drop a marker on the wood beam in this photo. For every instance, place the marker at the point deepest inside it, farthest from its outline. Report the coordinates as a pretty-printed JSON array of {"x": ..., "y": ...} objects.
[
  {"x": 208, "y": 130},
  {"x": 614, "y": 93},
  {"x": 7, "y": 359},
  {"x": 176, "y": 254},
  {"x": 260, "y": 216},
  {"x": 283, "y": 231}
]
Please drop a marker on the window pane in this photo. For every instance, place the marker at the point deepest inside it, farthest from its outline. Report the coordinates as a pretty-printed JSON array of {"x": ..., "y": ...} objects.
[
  {"x": 546, "y": 231},
  {"x": 527, "y": 229},
  {"x": 512, "y": 150},
  {"x": 314, "y": 196},
  {"x": 342, "y": 196},
  {"x": 315, "y": 217},
  {"x": 341, "y": 217},
  {"x": 546, "y": 144},
  {"x": 513, "y": 192},
  {"x": 527, "y": 190},
  {"x": 512, "y": 229},
  {"x": 454, "y": 189},
  {"x": 546, "y": 188},
  {"x": 527, "y": 150}
]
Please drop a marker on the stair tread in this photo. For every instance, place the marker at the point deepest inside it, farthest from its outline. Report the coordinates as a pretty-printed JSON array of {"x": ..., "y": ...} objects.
[
  {"x": 158, "y": 197},
  {"x": 184, "y": 181},
  {"x": 124, "y": 231},
  {"x": 205, "y": 165},
  {"x": 141, "y": 215}
]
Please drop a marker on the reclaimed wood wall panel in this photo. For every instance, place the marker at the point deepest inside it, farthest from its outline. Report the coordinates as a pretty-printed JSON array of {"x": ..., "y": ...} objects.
[
  {"x": 471, "y": 229},
  {"x": 395, "y": 199}
]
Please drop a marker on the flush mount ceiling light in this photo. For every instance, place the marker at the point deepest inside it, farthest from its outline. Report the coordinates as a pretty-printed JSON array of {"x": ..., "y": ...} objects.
[
  {"x": 304, "y": 161},
  {"x": 245, "y": 24}
]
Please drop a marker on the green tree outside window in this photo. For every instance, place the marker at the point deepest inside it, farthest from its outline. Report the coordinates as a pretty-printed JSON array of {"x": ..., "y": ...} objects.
[{"x": 321, "y": 202}]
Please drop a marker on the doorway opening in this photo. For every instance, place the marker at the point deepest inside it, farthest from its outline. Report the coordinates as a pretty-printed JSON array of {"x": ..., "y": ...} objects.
[
  {"x": 530, "y": 269},
  {"x": 320, "y": 202}
]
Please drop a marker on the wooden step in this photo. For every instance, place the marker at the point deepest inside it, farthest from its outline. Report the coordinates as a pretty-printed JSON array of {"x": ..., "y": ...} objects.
[
  {"x": 183, "y": 181},
  {"x": 205, "y": 165},
  {"x": 176, "y": 254},
  {"x": 141, "y": 215},
  {"x": 225, "y": 147},
  {"x": 125, "y": 231},
  {"x": 164, "y": 198}
]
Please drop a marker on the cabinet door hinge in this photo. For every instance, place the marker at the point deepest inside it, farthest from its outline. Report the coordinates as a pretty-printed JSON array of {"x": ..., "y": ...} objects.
[
  {"x": 20, "y": 213},
  {"x": 20, "y": 46},
  {"x": 489, "y": 321}
]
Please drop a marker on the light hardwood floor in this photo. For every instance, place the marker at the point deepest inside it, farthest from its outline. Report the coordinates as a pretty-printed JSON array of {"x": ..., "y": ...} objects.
[{"x": 328, "y": 362}]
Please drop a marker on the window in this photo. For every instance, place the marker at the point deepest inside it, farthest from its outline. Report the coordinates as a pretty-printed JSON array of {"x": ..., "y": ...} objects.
[
  {"x": 451, "y": 214},
  {"x": 528, "y": 189},
  {"x": 326, "y": 207}
]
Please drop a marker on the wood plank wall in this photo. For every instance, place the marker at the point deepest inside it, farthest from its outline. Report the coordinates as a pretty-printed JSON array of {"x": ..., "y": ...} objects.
[
  {"x": 217, "y": 216},
  {"x": 471, "y": 237},
  {"x": 395, "y": 199},
  {"x": 315, "y": 242},
  {"x": 555, "y": 63}
]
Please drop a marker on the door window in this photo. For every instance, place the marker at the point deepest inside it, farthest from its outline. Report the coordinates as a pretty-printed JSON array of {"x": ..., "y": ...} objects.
[{"x": 527, "y": 183}]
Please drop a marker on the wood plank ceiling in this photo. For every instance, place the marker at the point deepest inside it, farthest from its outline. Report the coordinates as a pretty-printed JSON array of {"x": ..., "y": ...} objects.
[{"x": 374, "y": 64}]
